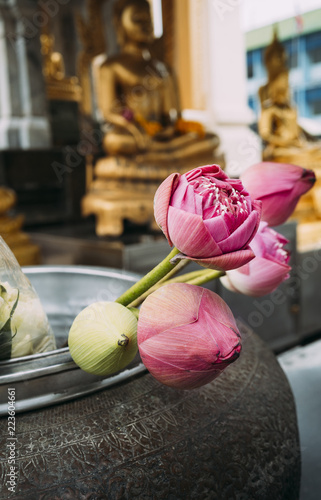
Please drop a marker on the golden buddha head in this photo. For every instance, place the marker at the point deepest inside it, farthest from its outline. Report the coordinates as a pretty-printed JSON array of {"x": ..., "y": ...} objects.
[
  {"x": 47, "y": 43},
  {"x": 133, "y": 22},
  {"x": 275, "y": 58}
]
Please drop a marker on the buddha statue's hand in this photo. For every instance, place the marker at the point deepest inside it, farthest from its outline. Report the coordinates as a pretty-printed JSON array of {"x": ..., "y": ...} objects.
[
  {"x": 142, "y": 140},
  {"x": 165, "y": 134}
]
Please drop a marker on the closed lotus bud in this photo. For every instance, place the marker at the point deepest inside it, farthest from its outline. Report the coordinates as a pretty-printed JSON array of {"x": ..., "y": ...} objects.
[
  {"x": 103, "y": 338},
  {"x": 186, "y": 335},
  {"x": 278, "y": 186}
]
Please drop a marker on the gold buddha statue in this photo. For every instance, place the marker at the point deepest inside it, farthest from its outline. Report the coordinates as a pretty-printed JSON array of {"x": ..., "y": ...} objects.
[
  {"x": 146, "y": 138},
  {"x": 275, "y": 60},
  {"x": 58, "y": 85},
  {"x": 286, "y": 142},
  {"x": 138, "y": 95},
  {"x": 279, "y": 128},
  {"x": 54, "y": 68},
  {"x": 278, "y": 124}
]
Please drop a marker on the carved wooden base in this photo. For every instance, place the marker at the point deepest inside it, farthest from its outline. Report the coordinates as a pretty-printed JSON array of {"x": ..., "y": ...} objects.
[
  {"x": 309, "y": 235},
  {"x": 112, "y": 208},
  {"x": 136, "y": 168},
  {"x": 124, "y": 187}
]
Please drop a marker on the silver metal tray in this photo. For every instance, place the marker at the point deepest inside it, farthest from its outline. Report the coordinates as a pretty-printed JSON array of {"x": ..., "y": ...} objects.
[{"x": 45, "y": 379}]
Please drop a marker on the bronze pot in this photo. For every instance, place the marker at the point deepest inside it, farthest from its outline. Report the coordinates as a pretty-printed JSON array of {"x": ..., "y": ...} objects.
[{"x": 235, "y": 438}]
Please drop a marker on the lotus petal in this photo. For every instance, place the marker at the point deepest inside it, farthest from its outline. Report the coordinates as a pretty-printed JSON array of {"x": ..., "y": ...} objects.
[
  {"x": 161, "y": 202},
  {"x": 189, "y": 234},
  {"x": 265, "y": 276},
  {"x": 224, "y": 262}
]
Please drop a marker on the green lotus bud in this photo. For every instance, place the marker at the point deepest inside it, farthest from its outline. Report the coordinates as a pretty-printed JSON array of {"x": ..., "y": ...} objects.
[{"x": 103, "y": 338}]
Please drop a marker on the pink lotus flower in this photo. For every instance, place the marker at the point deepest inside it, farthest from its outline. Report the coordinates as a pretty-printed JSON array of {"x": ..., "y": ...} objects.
[
  {"x": 279, "y": 187},
  {"x": 186, "y": 335},
  {"x": 267, "y": 271},
  {"x": 208, "y": 217}
]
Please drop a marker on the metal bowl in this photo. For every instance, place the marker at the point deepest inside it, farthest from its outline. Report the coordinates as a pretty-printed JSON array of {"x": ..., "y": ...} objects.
[{"x": 48, "y": 378}]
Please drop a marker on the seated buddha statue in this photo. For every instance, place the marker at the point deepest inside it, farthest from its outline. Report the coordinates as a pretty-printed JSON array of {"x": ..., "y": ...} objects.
[
  {"x": 145, "y": 138},
  {"x": 54, "y": 68},
  {"x": 286, "y": 142},
  {"x": 138, "y": 97},
  {"x": 275, "y": 61},
  {"x": 279, "y": 128},
  {"x": 278, "y": 124},
  {"x": 58, "y": 85}
]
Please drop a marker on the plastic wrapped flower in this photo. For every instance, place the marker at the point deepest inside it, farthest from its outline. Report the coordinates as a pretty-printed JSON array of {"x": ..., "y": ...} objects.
[
  {"x": 24, "y": 326},
  {"x": 267, "y": 271},
  {"x": 186, "y": 335},
  {"x": 209, "y": 217}
]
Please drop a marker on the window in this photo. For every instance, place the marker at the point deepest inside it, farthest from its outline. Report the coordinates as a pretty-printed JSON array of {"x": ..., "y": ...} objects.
[
  {"x": 313, "y": 44},
  {"x": 315, "y": 55},
  {"x": 314, "y": 101},
  {"x": 250, "y": 68},
  {"x": 292, "y": 48},
  {"x": 316, "y": 107},
  {"x": 251, "y": 102}
]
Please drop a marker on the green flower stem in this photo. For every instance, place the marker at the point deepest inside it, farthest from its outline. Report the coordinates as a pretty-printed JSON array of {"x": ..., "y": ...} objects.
[
  {"x": 148, "y": 280},
  {"x": 193, "y": 278},
  {"x": 163, "y": 281},
  {"x": 184, "y": 278},
  {"x": 181, "y": 264},
  {"x": 205, "y": 277}
]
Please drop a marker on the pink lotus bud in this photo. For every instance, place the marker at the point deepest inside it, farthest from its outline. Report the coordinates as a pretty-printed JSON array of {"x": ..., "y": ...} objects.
[
  {"x": 208, "y": 217},
  {"x": 279, "y": 187},
  {"x": 186, "y": 335},
  {"x": 267, "y": 271}
]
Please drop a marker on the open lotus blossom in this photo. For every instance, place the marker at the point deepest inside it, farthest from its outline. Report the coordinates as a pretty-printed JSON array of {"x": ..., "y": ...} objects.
[
  {"x": 208, "y": 217},
  {"x": 186, "y": 335},
  {"x": 279, "y": 187},
  {"x": 267, "y": 271}
]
